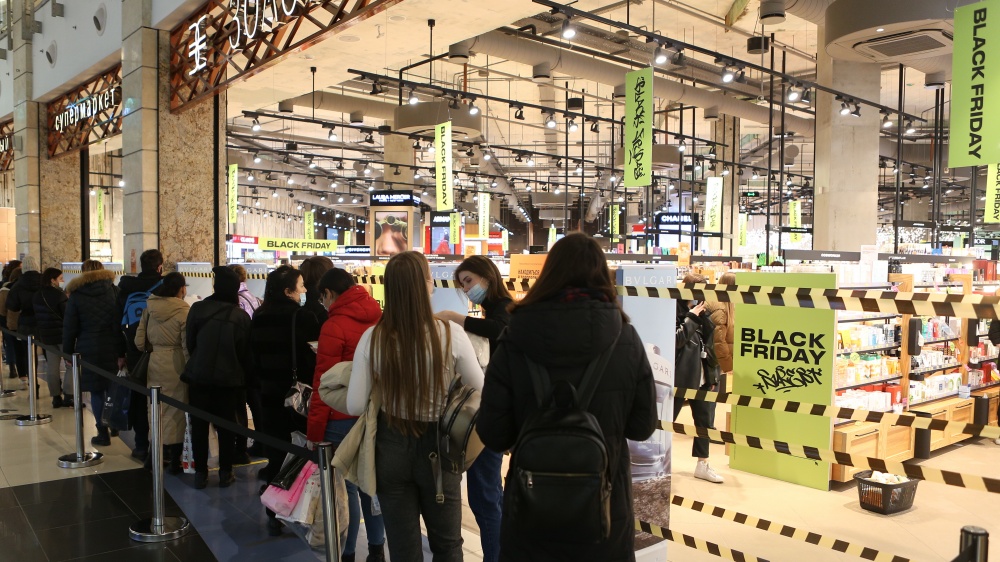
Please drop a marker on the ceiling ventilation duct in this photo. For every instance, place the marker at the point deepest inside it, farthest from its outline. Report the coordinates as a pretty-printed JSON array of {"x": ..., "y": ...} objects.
[{"x": 889, "y": 31}]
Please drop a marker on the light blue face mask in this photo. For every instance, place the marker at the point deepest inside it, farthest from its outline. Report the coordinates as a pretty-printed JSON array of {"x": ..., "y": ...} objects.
[
  {"x": 302, "y": 299},
  {"x": 477, "y": 294}
]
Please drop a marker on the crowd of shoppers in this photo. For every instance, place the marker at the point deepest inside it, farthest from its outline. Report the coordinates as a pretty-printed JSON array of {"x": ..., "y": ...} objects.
[{"x": 231, "y": 350}]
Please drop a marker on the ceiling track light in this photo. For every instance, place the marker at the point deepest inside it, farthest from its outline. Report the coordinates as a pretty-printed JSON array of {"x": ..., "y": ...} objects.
[
  {"x": 416, "y": 145},
  {"x": 573, "y": 126},
  {"x": 857, "y": 110},
  {"x": 473, "y": 109},
  {"x": 682, "y": 146},
  {"x": 807, "y": 97},
  {"x": 568, "y": 31},
  {"x": 413, "y": 99},
  {"x": 332, "y": 135},
  {"x": 886, "y": 122},
  {"x": 794, "y": 94},
  {"x": 660, "y": 55},
  {"x": 369, "y": 139},
  {"x": 844, "y": 108},
  {"x": 376, "y": 88},
  {"x": 519, "y": 114},
  {"x": 595, "y": 127},
  {"x": 312, "y": 164},
  {"x": 255, "y": 126},
  {"x": 550, "y": 120}
]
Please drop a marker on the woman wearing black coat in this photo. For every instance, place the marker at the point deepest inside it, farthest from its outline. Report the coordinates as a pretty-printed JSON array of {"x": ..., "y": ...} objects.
[
  {"x": 218, "y": 341},
  {"x": 696, "y": 367},
  {"x": 569, "y": 317},
  {"x": 93, "y": 329},
  {"x": 50, "y": 310},
  {"x": 274, "y": 352}
]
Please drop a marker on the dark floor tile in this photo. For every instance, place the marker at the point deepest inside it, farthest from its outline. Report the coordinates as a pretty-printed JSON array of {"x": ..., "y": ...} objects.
[
  {"x": 17, "y": 540},
  {"x": 138, "y": 478},
  {"x": 70, "y": 490},
  {"x": 191, "y": 548},
  {"x": 67, "y": 512},
  {"x": 89, "y": 538},
  {"x": 159, "y": 552},
  {"x": 140, "y": 501},
  {"x": 7, "y": 498}
]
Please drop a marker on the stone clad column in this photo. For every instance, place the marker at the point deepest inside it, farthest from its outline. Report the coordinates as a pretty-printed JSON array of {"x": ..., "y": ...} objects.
[
  {"x": 726, "y": 131},
  {"x": 847, "y": 150},
  {"x": 168, "y": 159},
  {"x": 61, "y": 212},
  {"x": 26, "y": 139}
]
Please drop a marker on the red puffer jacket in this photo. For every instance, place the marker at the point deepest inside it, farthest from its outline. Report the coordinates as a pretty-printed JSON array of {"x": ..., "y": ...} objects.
[{"x": 352, "y": 313}]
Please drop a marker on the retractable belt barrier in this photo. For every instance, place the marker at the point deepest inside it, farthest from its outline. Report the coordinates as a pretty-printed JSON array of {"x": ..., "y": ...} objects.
[
  {"x": 908, "y": 420},
  {"x": 696, "y": 543}
]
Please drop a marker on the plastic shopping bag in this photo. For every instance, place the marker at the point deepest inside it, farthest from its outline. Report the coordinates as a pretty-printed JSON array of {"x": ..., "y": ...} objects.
[
  {"x": 309, "y": 526},
  {"x": 116, "y": 405},
  {"x": 284, "y": 501},
  {"x": 187, "y": 454}
]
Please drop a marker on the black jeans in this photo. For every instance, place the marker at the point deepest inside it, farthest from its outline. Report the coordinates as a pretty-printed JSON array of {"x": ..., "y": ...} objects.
[
  {"x": 406, "y": 493},
  {"x": 704, "y": 416},
  {"x": 277, "y": 423},
  {"x": 222, "y": 402}
]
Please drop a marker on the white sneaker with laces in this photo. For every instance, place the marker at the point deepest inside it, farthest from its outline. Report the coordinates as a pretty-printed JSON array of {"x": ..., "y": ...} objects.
[{"x": 705, "y": 472}]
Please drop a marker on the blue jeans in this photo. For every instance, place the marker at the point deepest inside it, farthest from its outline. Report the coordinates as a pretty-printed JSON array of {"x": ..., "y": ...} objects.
[
  {"x": 358, "y": 502},
  {"x": 486, "y": 500}
]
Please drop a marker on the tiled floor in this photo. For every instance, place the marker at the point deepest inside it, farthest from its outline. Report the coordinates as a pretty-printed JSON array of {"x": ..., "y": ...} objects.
[{"x": 48, "y": 513}]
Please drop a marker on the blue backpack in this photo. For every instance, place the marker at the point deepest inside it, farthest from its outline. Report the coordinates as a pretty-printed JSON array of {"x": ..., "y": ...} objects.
[{"x": 135, "y": 304}]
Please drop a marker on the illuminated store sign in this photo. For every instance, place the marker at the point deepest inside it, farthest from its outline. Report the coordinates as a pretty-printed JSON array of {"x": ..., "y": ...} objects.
[
  {"x": 88, "y": 108},
  {"x": 393, "y": 199}
]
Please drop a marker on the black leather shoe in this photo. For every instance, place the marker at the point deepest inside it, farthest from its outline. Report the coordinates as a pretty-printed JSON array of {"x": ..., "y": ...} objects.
[
  {"x": 226, "y": 478},
  {"x": 200, "y": 480}
]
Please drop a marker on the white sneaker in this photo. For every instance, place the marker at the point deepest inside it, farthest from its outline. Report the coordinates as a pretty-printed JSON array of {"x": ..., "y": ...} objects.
[
  {"x": 997, "y": 441},
  {"x": 706, "y": 472}
]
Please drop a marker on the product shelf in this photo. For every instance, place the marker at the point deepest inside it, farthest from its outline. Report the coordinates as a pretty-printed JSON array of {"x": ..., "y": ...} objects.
[
  {"x": 929, "y": 370},
  {"x": 985, "y": 386},
  {"x": 868, "y": 318},
  {"x": 982, "y": 360},
  {"x": 868, "y": 349},
  {"x": 935, "y": 399},
  {"x": 940, "y": 340},
  {"x": 879, "y": 381}
]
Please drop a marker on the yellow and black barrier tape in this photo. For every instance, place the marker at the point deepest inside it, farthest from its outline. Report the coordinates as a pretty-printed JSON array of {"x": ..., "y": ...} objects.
[
  {"x": 907, "y": 420},
  {"x": 696, "y": 543},
  {"x": 198, "y": 274},
  {"x": 950, "y": 478},
  {"x": 874, "y": 301},
  {"x": 788, "y": 531}
]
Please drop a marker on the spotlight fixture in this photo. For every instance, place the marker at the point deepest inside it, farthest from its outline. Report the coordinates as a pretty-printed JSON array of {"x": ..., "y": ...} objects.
[
  {"x": 682, "y": 146},
  {"x": 396, "y": 172},
  {"x": 857, "y": 110},
  {"x": 519, "y": 114},
  {"x": 725, "y": 171},
  {"x": 453, "y": 103},
  {"x": 728, "y": 74},
  {"x": 332, "y": 135},
  {"x": 910, "y": 129},
  {"x": 660, "y": 55},
  {"x": 794, "y": 94},
  {"x": 376, "y": 88},
  {"x": 697, "y": 165},
  {"x": 579, "y": 167},
  {"x": 322, "y": 197},
  {"x": 558, "y": 191},
  {"x": 487, "y": 156},
  {"x": 573, "y": 126},
  {"x": 255, "y": 126},
  {"x": 93, "y": 192},
  {"x": 927, "y": 173},
  {"x": 755, "y": 175},
  {"x": 291, "y": 194},
  {"x": 416, "y": 174},
  {"x": 470, "y": 153},
  {"x": 711, "y": 151},
  {"x": 121, "y": 182},
  {"x": 886, "y": 122},
  {"x": 595, "y": 127},
  {"x": 312, "y": 164},
  {"x": 558, "y": 162},
  {"x": 844, "y": 108},
  {"x": 290, "y": 180},
  {"x": 740, "y": 171},
  {"x": 416, "y": 145},
  {"x": 613, "y": 179},
  {"x": 368, "y": 171},
  {"x": 518, "y": 158},
  {"x": 531, "y": 161},
  {"x": 788, "y": 182},
  {"x": 473, "y": 110},
  {"x": 430, "y": 148},
  {"x": 414, "y": 100},
  {"x": 340, "y": 199},
  {"x": 340, "y": 165},
  {"x": 355, "y": 199},
  {"x": 369, "y": 139},
  {"x": 256, "y": 158},
  {"x": 550, "y": 120},
  {"x": 807, "y": 97},
  {"x": 274, "y": 193},
  {"x": 249, "y": 176},
  {"x": 493, "y": 183},
  {"x": 568, "y": 31},
  {"x": 256, "y": 203}
]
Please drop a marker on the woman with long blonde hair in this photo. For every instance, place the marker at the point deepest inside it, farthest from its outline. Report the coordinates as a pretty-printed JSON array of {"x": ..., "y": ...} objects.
[{"x": 406, "y": 362}]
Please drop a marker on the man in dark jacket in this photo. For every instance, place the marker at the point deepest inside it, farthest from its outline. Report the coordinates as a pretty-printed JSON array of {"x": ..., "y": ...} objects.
[
  {"x": 218, "y": 341},
  {"x": 151, "y": 264},
  {"x": 50, "y": 310},
  {"x": 19, "y": 301},
  {"x": 564, "y": 337},
  {"x": 92, "y": 329}
]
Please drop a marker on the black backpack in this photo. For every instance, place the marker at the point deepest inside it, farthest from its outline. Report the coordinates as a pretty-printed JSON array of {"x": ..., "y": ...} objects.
[{"x": 561, "y": 488}]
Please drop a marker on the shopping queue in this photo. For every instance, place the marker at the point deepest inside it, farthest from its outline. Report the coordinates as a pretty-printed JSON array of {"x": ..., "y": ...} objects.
[{"x": 560, "y": 371}]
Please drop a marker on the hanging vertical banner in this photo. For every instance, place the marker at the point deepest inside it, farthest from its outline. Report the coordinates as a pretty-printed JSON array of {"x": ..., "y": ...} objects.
[
  {"x": 713, "y": 205},
  {"x": 484, "y": 216},
  {"x": 455, "y": 229},
  {"x": 639, "y": 128},
  {"x": 975, "y": 139},
  {"x": 234, "y": 173},
  {"x": 613, "y": 221},
  {"x": 442, "y": 162},
  {"x": 795, "y": 219},
  {"x": 100, "y": 213},
  {"x": 310, "y": 220},
  {"x": 552, "y": 236},
  {"x": 743, "y": 230},
  {"x": 505, "y": 236},
  {"x": 991, "y": 211},
  {"x": 348, "y": 237}
]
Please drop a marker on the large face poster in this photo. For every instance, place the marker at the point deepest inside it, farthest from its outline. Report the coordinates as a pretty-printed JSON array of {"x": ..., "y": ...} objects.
[
  {"x": 654, "y": 320},
  {"x": 787, "y": 353},
  {"x": 391, "y": 232}
]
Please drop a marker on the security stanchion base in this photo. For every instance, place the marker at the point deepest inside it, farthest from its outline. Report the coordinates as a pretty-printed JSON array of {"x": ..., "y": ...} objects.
[
  {"x": 73, "y": 461},
  {"x": 8, "y": 393},
  {"x": 37, "y": 419},
  {"x": 173, "y": 528}
]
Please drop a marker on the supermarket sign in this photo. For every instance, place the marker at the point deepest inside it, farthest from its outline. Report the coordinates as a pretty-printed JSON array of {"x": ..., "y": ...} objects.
[{"x": 296, "y": 244}]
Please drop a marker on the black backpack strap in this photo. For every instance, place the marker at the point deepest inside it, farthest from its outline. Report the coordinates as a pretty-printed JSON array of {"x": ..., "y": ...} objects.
[
  {"x": 592, "y": 377},
  {"x": 540, "y": 380}
]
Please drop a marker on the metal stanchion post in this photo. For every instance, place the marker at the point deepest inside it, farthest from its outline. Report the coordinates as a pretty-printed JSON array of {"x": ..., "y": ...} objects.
[
  {"x": 978, "y": 539},
  {"x": 157, "y": 528},
  {"x": 80, "y": 458},
  {"x": 328, "y": 496},
  {"x": 4, "y": 393},
  {"x": 32, "y": 418}
]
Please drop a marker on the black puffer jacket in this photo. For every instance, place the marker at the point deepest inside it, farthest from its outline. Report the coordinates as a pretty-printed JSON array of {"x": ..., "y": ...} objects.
[
  {"x": 50, "y": 310},
  {"x": 218, "y": 341},
  {"x": 565, "y": 337},
  {"x": 490, "y": 326},
  {"x": 694, "y": 335},
  {"x": 21, "y": 300},
  {"x": 93, "y": 326},
  {"x": 271, "y": 345}
]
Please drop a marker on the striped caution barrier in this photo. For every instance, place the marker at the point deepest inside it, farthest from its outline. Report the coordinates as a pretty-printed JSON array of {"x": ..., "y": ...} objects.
[
  {"x": 908, "y": 420},
  {"x": 948, "y": 477},
  {"x": 696, "y": 543},
  {"x": 788, "y": 531}
]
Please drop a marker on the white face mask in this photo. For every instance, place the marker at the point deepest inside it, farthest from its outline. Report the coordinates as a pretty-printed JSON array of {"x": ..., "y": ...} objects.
[{"x": 302, "y": 299}]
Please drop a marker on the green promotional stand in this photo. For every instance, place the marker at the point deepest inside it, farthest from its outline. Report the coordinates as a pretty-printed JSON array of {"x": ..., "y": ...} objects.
[{"x": 786, "y": 353}]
